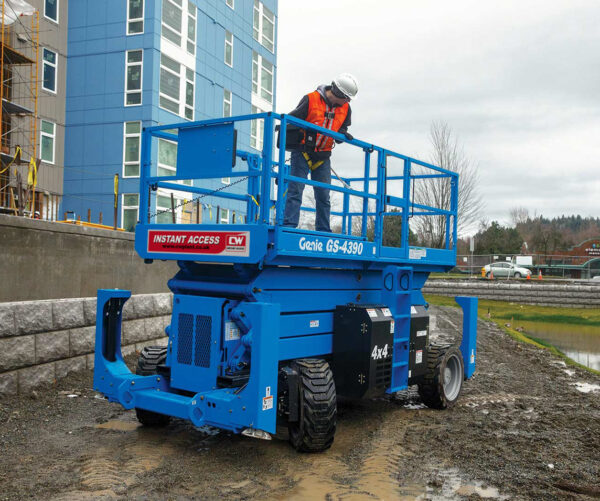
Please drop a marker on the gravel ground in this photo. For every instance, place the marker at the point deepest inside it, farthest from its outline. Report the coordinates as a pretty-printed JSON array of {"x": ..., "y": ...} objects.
[{"x": 523, "y": 429}]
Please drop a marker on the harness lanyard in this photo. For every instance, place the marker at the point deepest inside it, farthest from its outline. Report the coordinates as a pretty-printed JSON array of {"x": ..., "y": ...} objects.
[{"x": 312, "y": 166}]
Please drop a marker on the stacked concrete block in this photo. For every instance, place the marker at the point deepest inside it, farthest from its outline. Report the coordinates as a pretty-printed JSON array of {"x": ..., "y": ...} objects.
[
  {"x": 541, "y": 293},
  {"x": 41, "y": 341}
]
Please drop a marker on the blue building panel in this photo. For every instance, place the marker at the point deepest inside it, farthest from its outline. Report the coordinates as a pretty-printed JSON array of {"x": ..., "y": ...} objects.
[{"x": 96, "y": 80}]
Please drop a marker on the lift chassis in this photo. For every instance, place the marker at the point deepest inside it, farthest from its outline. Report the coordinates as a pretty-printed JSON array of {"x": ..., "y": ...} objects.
[{"x": 269, "y": 324}]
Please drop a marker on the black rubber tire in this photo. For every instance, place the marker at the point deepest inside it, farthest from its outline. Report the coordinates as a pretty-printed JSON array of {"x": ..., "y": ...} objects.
[
  {"x": 517, "y": 275},
  {"x": 149, "y": 359},
  {"x": 433, "y": 391},
  {"x": 487, "y": 275},
  {"x": 318, "y": 407}
]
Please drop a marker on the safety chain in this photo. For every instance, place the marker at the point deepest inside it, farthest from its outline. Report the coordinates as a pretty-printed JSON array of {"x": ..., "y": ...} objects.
[{"x": 151, "y": 216}]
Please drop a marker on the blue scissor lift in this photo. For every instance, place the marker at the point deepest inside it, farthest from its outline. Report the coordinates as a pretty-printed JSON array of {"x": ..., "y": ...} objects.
[{"x": 269, "y": 323}]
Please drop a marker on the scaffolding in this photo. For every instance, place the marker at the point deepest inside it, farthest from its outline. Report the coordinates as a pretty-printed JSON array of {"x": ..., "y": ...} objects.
[{"x": 18, "y": 114}]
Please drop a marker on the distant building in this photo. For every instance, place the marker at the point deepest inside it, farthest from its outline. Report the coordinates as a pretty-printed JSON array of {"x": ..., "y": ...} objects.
[
  {"x": 134, "y": 63},
  {"x": 33, "y": 105},
  {"x": 106, "y": 69}
]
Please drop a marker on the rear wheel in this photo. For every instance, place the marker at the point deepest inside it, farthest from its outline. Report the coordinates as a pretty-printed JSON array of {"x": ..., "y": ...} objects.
[
  {"x": 315, "y": 428},
  {"x": 487, "y": 275},
  {"x": 443, "y": 381},
  {"x": 150, "y": 358}
]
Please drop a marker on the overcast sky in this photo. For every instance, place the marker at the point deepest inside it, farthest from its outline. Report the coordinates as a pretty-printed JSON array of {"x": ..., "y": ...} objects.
[{"x": 517, "y": 81}]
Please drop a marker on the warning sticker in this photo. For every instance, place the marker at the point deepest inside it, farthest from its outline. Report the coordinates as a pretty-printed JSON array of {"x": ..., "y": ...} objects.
[
  {"x": 421, "y": 333},
  {"x": 372, "y": 313},
  {"x": 392, "y": 325},
  {"x": 413, "y": 310},
  {"x": 267, "y": 403},
  {"x": 314, "y": 323},
  {"x": 386, "y": 312},
  {"x": 215, "y": 243},
  {"x": 472, "y": 356},
  {"x": 267, "y": 399},
  {"x": 232, "y": 332},
  {"x": 416, "y": 253},
  {"x": 418, "y": 356}
]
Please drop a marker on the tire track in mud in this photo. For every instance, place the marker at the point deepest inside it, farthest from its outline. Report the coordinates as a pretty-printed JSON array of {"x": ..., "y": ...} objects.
[
  {"x": 104, "y": 476},
  {"x": 332, "y": 476}
]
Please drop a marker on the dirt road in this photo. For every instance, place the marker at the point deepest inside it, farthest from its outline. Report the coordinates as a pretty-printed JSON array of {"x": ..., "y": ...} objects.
[{"x": 525, "y": 428}]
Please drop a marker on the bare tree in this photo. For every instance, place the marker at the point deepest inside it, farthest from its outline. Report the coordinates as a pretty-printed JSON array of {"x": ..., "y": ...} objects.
[
  {"x": 518, "y": 215},
  {"x": 436, "y": 192}
]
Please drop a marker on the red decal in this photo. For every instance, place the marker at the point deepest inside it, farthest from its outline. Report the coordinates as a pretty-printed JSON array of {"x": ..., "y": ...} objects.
[{"x": 216, "y": 243}]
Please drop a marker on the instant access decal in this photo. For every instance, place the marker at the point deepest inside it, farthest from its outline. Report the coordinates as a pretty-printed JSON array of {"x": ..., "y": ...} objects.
[{"x": 212, "y": 243}]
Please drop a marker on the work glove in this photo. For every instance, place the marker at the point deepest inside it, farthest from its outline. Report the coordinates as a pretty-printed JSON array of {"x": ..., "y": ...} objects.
[{"x": 348, "y": 136}]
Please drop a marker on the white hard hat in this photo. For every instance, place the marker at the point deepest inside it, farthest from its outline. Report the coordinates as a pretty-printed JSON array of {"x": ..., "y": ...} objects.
[{"x": 346, "y": 84}]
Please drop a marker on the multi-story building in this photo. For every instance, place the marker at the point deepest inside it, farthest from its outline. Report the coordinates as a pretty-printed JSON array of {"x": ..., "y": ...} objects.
[
  {"x": 136, "y": 63},
  {"x": 33, "y": 111}
]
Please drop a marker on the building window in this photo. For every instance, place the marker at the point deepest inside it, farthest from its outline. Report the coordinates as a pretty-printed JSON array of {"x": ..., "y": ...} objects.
[
  {"x": 163, "y": 208},
  {"x": 256, "y": 130},
  {"x": 135, "y": 17},
  {"x": 262, "y": 78},
  {"x": 172, "y": 15},
  {"x": 133, "y": 77},
  {"x": 224, "y": 216},
  {"x": 49, "y": 65},
  {"x": 167, "y": 157},
  {"x": 171, "y": 82},
  {"x": 131, "y": 149},
  {"x": 264, "y": 26},
  {"x": 129, "y": 215},
  {"x": 229, "y": 49},
  {"x": 51, "y": 10},
  {"x": 191, "y": 31},
  {"x": 47, "y": 140},
  {"x": 189, "y": 94},
  {"x": 230, "y": 4},
  {"x": 226, "y": 103}
]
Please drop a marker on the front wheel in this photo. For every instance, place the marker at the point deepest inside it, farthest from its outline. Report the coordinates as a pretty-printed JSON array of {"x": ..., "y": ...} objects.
[
  {"x": 315, "y": 428},
  {"x": 150, "y": 358},
  {"x": 443, "y": 381},
  {"x": 517, "y": 275}
]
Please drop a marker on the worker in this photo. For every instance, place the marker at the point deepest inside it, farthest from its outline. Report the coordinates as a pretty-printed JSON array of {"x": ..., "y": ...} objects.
[{"x": 327, "y": 107}]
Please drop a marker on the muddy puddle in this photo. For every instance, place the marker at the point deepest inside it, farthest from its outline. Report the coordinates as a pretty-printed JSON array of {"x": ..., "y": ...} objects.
[{"x": 579, "y": 343}]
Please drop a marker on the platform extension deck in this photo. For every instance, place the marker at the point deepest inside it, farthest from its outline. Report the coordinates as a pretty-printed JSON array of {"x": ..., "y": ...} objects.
[{"x": 208, "y": 150}]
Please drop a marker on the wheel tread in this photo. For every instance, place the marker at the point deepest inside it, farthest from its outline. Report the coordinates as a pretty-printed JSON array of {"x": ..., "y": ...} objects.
[
  {"x": 149, "y": 359},
  {"x": 319, "y": 409}
]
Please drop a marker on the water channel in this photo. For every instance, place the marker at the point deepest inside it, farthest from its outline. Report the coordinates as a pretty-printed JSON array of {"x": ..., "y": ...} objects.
[{"x": 578, "y": 342}]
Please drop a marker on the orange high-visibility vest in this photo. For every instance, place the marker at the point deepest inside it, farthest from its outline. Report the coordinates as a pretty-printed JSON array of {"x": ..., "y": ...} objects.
[{"x": 320, "y": 113}]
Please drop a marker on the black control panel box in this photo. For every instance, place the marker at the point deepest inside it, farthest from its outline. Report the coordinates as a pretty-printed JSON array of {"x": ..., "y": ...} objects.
[
  {"x": 363, "y": 344},
  {"x": 419, "y": 342}
]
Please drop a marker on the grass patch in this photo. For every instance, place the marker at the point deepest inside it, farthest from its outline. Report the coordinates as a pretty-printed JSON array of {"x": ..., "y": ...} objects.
[
  {"x": 528, "y": 312},
  {"x": 501, "y": 311}
]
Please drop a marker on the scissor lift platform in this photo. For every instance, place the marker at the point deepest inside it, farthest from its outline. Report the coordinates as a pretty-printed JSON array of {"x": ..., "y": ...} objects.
[{"x": 259, "y": 307}]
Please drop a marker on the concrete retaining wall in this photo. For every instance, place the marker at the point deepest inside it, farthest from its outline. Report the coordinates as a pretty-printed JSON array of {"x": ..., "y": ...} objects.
[
  {"x": 545, "y": 293},
  {"x": 41, "y": 341},
  {"x": 44, "y": 260}
]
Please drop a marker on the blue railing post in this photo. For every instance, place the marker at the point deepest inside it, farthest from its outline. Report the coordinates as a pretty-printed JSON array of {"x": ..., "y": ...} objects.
[
  {"x": 345, "y": 209},
  {"x": 454, "y": 208},
  {"x": 380, "y": 209},
  {"x": 253, "y": 188},
  {"x": 146, "y": 163},
  {"x": 406, "y": 203},
  {"x": 281, "y": 183},
  {"x": 365, "y": 216},
  {"x": 267, "y": 163}
]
